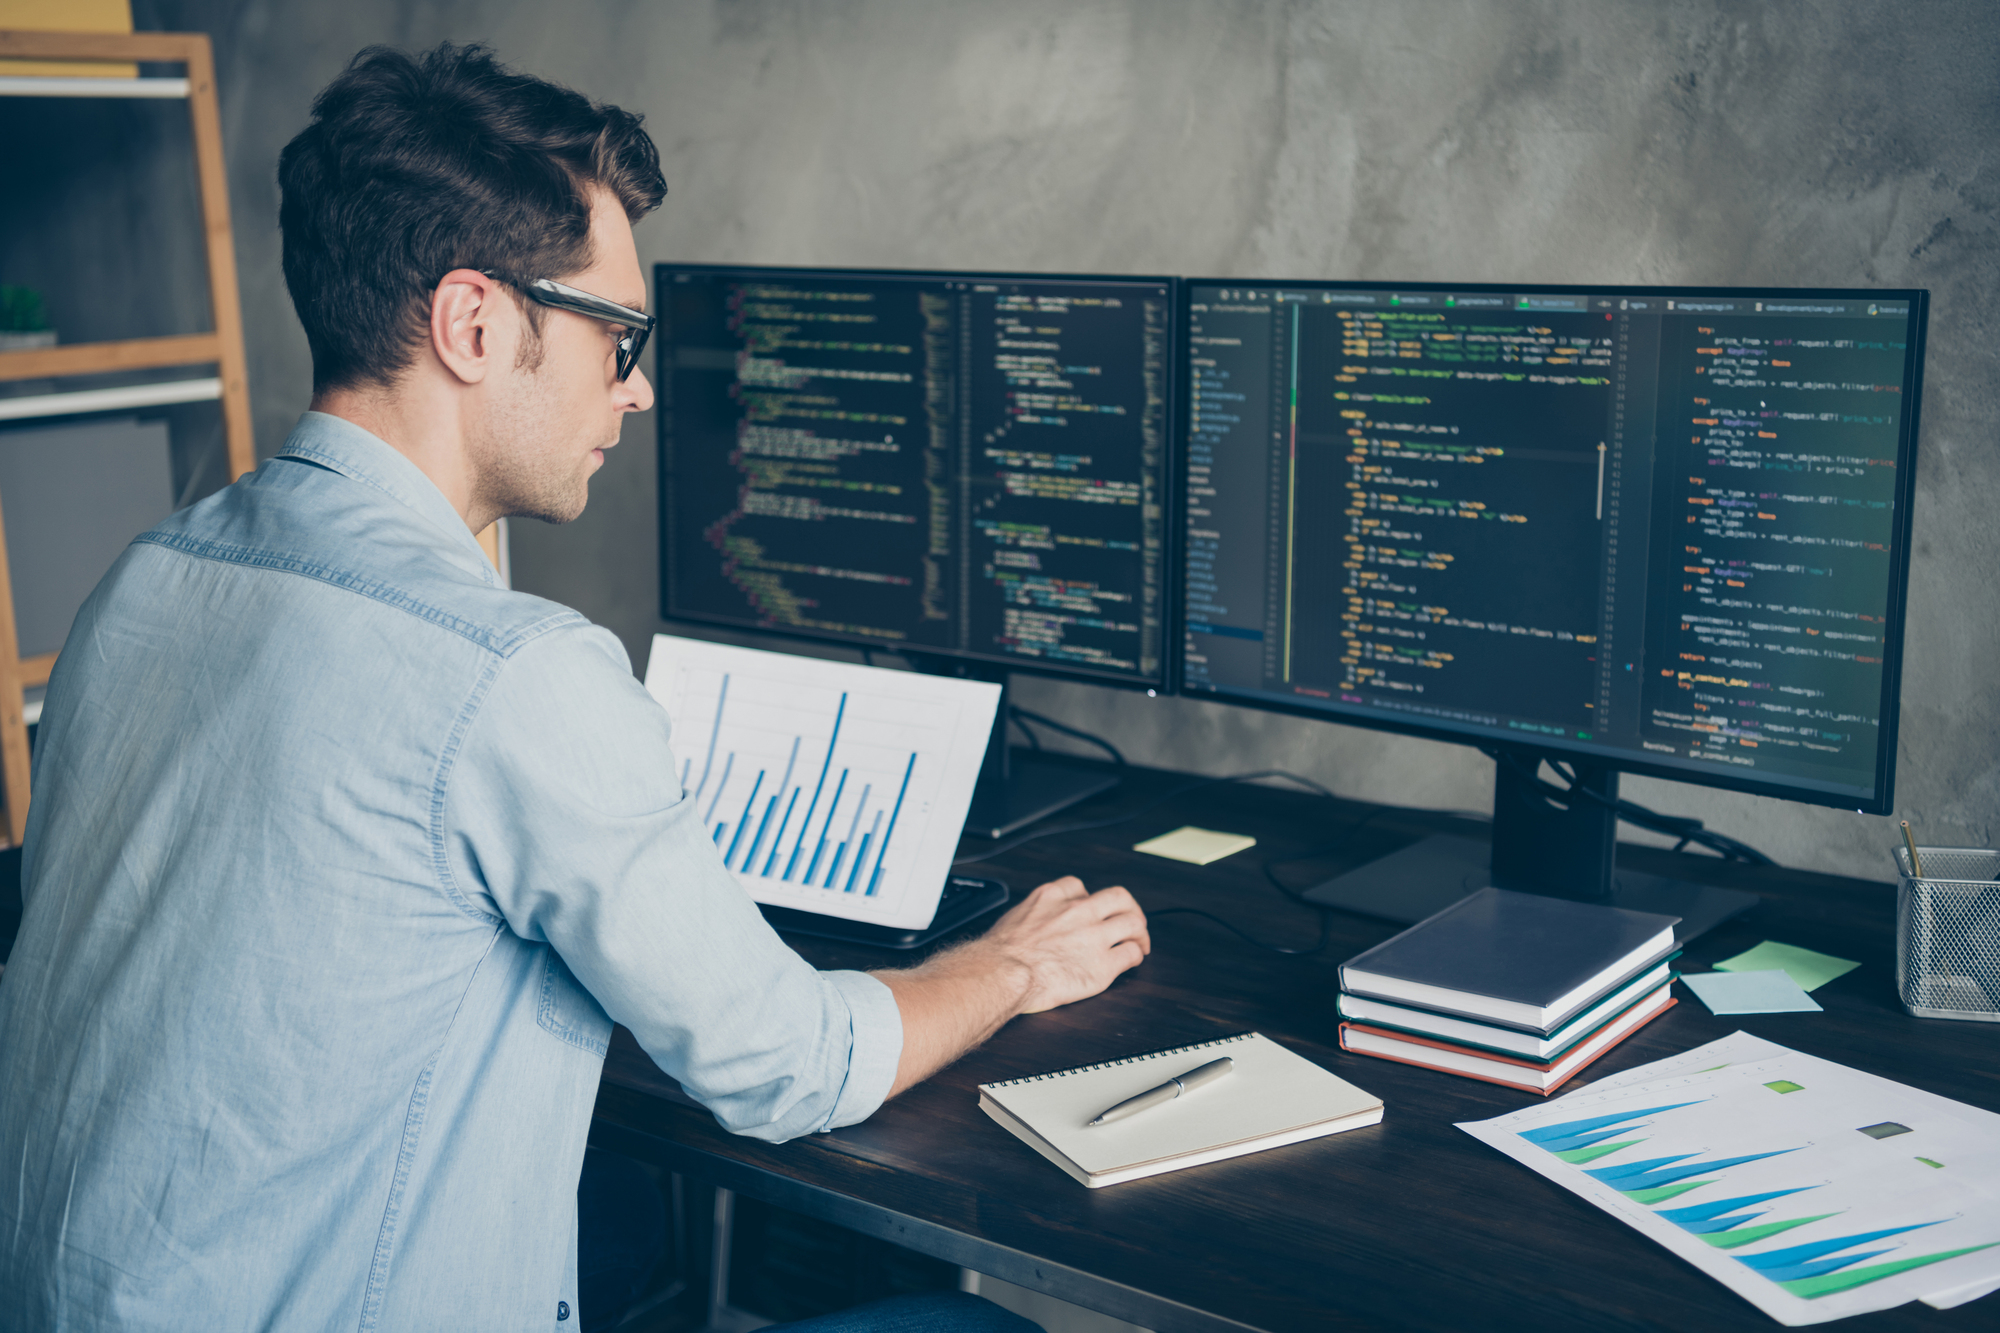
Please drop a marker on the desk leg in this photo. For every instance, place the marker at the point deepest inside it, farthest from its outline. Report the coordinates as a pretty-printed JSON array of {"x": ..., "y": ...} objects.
[
  {"x": 718, "y": 1255},
  {"x": 722, "y": 1316}
]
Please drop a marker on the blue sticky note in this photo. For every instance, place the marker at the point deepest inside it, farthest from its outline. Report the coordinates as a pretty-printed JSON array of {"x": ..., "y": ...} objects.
[{"x": 1772, "y": 992}]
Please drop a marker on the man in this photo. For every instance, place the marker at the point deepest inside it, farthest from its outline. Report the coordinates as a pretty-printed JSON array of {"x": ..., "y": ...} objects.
[{"x": 343, "y": 858}]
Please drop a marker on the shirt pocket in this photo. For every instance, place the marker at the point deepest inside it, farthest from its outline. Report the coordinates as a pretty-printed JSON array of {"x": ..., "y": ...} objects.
[{"x": 569, "y": 1011}]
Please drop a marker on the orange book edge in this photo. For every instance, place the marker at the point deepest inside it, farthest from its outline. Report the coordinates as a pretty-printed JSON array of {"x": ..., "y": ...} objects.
[{"x": 1489, "y": 1055}]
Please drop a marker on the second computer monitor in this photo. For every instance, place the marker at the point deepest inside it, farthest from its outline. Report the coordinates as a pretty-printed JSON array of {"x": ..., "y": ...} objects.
[
  {"x": 1665, "y": 530},
  {"x": 959, "y": 465}
]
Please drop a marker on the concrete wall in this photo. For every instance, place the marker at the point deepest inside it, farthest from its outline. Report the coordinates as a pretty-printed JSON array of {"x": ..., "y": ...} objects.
[{"x": 1784, "y": 143}]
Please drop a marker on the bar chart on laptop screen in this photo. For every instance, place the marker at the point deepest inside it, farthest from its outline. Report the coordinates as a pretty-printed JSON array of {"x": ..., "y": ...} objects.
[{"x": 835, "y": 788}]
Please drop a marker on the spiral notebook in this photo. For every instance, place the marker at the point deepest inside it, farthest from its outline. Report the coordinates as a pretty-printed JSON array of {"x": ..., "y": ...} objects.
[{"x": 1271, "y": 1098}]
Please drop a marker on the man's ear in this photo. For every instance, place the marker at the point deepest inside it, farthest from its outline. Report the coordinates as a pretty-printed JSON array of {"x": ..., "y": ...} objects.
[{"x": 474, "y": 324}]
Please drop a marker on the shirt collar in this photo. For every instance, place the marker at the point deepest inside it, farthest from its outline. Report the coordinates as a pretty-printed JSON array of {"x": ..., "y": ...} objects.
[{"x": 338, "y": 444}]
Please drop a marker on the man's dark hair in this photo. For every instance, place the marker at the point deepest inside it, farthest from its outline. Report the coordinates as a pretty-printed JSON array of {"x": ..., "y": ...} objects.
[{"x": 417, "y": 165}]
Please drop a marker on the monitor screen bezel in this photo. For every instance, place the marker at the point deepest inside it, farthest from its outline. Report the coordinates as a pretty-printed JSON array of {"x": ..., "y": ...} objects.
[
  {"x": 1881, "y": 802},
  {"x": 1160, "y": 681}
]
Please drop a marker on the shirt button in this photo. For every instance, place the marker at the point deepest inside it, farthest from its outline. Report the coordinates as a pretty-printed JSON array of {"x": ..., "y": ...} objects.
[{"x": 562, "y": 1311}]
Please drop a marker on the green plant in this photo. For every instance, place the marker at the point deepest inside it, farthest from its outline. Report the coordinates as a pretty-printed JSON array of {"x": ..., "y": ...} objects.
[{"x": 22, "y": 311}]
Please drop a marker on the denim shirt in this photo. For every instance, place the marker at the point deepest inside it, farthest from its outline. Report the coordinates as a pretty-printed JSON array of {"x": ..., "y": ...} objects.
[{"x": 342, "y": 860}]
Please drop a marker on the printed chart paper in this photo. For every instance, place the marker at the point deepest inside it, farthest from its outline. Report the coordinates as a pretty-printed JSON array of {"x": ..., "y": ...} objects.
[
  {"x": 1812, "y": 1190},
  {"x": 829, "y": 787}
]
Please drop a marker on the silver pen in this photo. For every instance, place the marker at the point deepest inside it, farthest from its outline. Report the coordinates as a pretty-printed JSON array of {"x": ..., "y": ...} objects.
[{"x": 1167, "y": 1091}]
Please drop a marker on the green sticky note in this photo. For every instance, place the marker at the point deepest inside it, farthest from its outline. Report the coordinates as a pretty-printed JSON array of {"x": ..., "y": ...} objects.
[
  {"x": 1811, "y": 970},
  {"x": 1197, "y": 846}
]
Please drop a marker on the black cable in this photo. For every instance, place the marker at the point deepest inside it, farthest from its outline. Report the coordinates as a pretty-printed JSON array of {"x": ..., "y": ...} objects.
[
  {"x": 1022, "y": 716},
  {"x": 1325, "y": 928},
  {"x": 1270, "y": 869},
  {"x": 1034, "y": 741},
  {"x": 1314, "y": 853},
  {"x": 1686, "y": 828}
]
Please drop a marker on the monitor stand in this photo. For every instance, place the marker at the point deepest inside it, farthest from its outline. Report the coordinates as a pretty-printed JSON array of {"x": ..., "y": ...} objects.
[
  {"x": 1537, "y": 847},
  {"x": 1014, "y": 789}
]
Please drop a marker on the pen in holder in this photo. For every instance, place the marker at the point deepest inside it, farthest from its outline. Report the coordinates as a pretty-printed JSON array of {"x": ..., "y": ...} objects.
[{"x": 1948, "y": 933}]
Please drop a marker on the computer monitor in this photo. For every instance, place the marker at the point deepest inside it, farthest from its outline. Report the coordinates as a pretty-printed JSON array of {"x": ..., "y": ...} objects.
[
  {"x": 967, "y": 469},
  {"x": 1652, "y": 530}
]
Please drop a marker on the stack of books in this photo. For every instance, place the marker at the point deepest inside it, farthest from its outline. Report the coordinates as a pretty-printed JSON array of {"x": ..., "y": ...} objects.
[{"x": 1512, "y": 988}]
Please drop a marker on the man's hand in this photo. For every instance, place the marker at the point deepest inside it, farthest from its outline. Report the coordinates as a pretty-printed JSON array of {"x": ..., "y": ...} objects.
[
  {"x": 1071, "y": 941},
  {"x": 1060, "y": 944}
]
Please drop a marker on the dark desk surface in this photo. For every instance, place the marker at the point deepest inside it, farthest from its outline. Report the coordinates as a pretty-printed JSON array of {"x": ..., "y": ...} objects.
[{"x": 1411, "y": 1224}]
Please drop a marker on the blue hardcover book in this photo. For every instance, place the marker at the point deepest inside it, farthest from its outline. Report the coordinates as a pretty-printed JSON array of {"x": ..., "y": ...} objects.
[{"x": 1517, "y": 960}]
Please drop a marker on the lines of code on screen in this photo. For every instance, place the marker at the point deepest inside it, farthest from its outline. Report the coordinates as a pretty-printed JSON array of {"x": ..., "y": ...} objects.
[
  {"x": 1463, "y": 449},
  {"x": 1773, "y": 526},
  {"x": 952, "y": 464}
]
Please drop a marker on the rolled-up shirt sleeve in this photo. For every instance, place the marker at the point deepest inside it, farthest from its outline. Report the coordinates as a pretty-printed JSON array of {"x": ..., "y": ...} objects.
[{"x": 562, "y": 813}]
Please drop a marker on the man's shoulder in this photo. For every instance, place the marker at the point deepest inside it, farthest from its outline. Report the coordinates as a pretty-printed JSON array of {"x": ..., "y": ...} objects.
[{"x": 330, "y": 531}]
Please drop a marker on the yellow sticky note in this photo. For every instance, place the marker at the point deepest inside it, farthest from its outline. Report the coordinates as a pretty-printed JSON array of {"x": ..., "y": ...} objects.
[{"x": 1196, "y": 845}]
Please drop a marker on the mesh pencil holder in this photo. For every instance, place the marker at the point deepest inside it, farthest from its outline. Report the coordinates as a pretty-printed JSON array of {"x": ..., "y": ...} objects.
[{"x": 1948, "y": 933}]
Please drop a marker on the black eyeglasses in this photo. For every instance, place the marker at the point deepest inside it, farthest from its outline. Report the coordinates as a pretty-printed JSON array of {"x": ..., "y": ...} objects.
[{"x": 543, "y": 291}]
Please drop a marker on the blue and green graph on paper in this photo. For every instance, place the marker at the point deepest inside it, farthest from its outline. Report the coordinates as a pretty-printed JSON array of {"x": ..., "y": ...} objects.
[
  {"x": 827, "y": 786},
  {"x": 1813, "y": 1190},
  {"x": 1813, "y": 1270}
]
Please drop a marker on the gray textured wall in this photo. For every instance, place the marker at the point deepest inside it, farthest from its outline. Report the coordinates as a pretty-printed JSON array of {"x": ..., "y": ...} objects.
[{"x": 1787, "y": 143}]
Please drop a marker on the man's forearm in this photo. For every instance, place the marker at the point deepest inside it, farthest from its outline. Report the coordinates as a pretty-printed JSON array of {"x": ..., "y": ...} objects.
[{"x": 950, "y": 1004}]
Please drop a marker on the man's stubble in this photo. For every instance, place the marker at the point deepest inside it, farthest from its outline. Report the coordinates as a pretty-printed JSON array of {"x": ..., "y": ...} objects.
[{"x": 520, "y": 475}]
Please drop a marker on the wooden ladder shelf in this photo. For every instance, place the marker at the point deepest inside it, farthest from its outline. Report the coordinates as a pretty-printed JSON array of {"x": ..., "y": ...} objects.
[{"x": 222, "y": 348}]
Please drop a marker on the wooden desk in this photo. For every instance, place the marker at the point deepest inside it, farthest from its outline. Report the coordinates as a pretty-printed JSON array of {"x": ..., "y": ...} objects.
[{"x": 1412, "y": 1224}]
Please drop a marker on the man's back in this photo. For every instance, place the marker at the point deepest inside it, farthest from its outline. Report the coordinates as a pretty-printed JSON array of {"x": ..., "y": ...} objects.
[{"x": 283, "y": 1033}]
